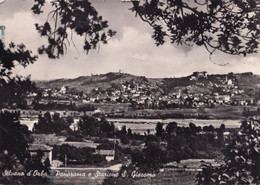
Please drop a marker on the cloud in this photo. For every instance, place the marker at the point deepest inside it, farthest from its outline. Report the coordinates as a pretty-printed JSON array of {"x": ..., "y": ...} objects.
[
  {"x": 132, "y": 50},
  {"x": 137, "y": 54}
]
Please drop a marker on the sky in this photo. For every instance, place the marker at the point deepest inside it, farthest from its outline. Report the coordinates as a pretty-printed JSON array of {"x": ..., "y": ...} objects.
[{"x": 132, "y": 50}]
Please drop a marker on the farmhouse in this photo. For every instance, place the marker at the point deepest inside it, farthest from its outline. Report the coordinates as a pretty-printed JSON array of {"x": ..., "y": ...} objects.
[
  {"x": 109, "y": 154},
  {"x": 34, "y": 149}
]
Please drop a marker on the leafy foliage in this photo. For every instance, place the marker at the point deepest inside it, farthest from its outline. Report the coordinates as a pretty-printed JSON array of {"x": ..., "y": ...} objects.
[
  {"x": 95, "y": 126},
  {"x": 150, "y": 158},
  {"x": 229, "y": 26},
  {"x": 14, "y": 91},
  {"x": 159, "y": 129},
  {"x": 51, "y": 124},
  {"x": 177, "y": 143},
  {"x": 241, "y": 159},
  {"x": 66, "y": 18},
  {"x": 77, "y": 155},
  {"x": 9, "y": 57},
  {"x": 14, "y": 156},
  {"x": 9, "y": 127}
]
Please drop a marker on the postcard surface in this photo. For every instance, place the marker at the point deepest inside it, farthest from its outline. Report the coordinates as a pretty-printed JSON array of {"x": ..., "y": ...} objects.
[{"x": 129, "y": 92}]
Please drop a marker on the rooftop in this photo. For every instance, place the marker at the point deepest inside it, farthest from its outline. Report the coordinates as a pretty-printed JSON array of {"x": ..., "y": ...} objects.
[{"x": 39, "y": 147}]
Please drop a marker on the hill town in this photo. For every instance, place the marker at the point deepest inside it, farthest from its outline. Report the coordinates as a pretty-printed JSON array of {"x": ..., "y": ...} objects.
[{"x": 197, "y": 91}]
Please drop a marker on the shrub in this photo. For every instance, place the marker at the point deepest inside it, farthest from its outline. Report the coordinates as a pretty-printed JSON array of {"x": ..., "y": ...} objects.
[{"x": 242, "y": 159}]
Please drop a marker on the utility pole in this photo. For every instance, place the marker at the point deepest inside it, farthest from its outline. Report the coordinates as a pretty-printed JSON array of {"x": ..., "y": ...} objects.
[
  {"x": 66, "y": 163},
  {"x": 114, "y": 153}
]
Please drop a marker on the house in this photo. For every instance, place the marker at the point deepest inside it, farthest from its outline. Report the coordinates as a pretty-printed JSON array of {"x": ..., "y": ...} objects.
[
  {"x": 229, "y": 82},
  {"x": 224, "y": 98},
  {"x": 242, "y": 102},
  {"x": 240, "y": 99},
  {"x": 80, "y": 144},
  {"x": 197, "y": 75},
  {"x": 34, "y": 149},
  {"x": 109, "y": 154},
  {"x": 63, "y": 90}
]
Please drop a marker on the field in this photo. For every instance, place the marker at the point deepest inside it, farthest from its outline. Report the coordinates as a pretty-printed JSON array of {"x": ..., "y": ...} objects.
[{"x": 224, "y": 112}]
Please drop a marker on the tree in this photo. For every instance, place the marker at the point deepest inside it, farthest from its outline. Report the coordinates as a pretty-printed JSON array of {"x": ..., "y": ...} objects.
[
  {"x": 242, "y": 159},
  {"x": 88, "y": 126},
  {"x": 14, "y": 88},
  {"x": 14, "y": 136},
  {"x": 51, "y": 124},
  {"x": 222, "y": 127},
  {"x": 155, "y": 155},
  {"x": 10, "y": 56},
  {"x": 9, "y": 127},
  {"x": 220, "y": 134},
  {"x": 107, "y": 128},
  {"x": 175, "y": 146},
  {"x": 192, "y": 127},
  {"x": 95, "y": 126},
  {"x": 124, "y": 139},
  {"x": 14, "y": 54},
  {"x": 228, "y": 26},
  {"x": 159, "y": 129},
  {"x": 225, "y": 25},
  {"x": 150, "y": 158},
  {"x": 14, "y": 156},
  {"x": 71, "y": 16},
  {"x": 129, "y": 132},
  {"x": 76, "y": 155},
  {"x": 171, "y": 128},
  {"x": 123, "y": 130}
]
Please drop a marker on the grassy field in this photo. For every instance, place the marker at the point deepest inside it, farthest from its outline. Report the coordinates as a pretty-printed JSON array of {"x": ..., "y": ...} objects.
[{"x": 224, "y": 112}]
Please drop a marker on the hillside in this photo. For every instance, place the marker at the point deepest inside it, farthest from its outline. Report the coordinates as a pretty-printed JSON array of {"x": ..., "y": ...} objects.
[
  {"x": 198, "y": 82},
  {"x": 88, "y": 83},
  {"x": 250, "y": 83}
]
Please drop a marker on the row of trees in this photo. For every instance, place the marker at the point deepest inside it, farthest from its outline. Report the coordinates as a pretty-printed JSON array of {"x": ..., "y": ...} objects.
[
  {"x": 172, "y": 128},
  {"x": 48, "y": 124},
  {"x": 96, "y": 126},
  {"x": 176, "y": 143},
  {"x": 51, "y": 105},
  {"x": 87, "y": 126},
  {"x": 249, "y": 113}
]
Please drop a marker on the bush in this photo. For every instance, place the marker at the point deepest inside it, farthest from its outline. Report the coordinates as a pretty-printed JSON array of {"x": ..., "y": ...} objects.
[
  {"x": 124, "y": 139},
  {"x": 77, "y": 155},
  {"x": 242, "y": 159}
]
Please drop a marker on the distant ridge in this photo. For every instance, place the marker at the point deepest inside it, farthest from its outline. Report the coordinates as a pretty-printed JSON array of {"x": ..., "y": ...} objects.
[{"x": 198, "y": 82}]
